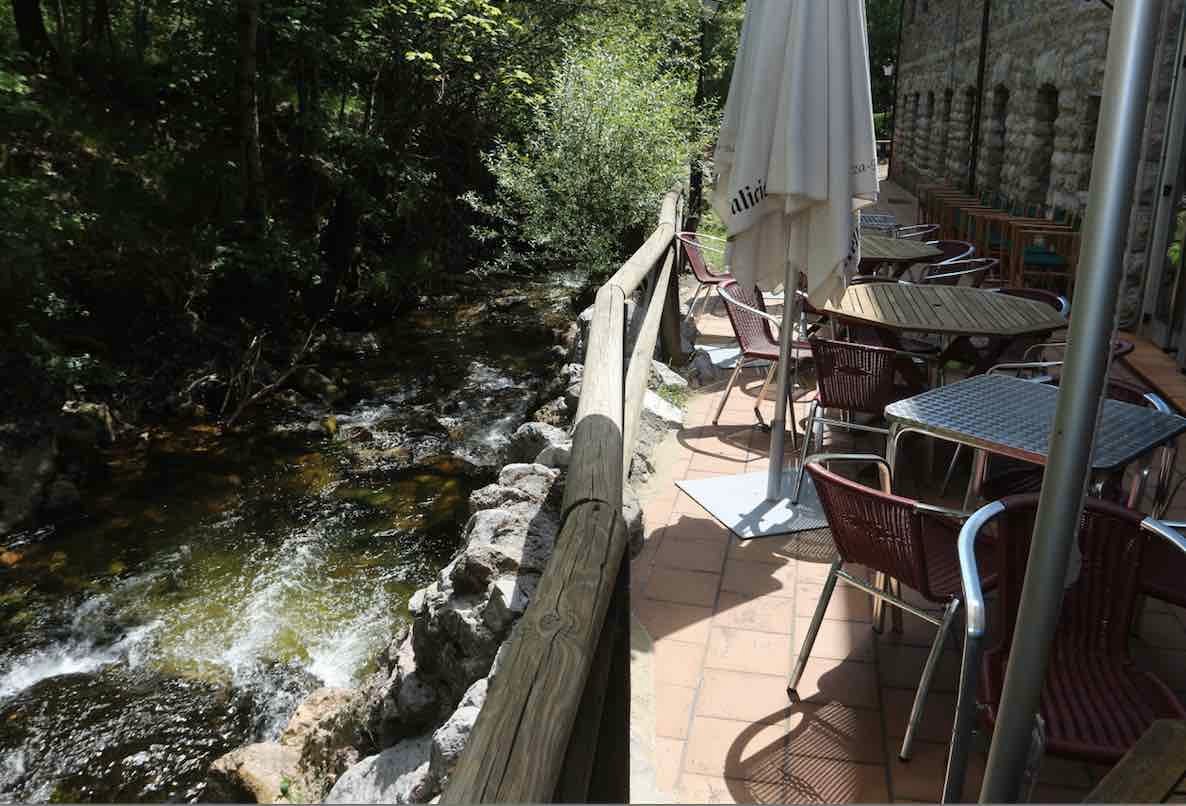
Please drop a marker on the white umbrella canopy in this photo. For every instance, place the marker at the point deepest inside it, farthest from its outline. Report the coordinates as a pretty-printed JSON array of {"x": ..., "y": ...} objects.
[{"x": 797, "y": 154}]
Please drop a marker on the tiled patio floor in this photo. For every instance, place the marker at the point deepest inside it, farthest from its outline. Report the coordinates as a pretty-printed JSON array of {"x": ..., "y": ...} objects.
[{"x": 727, "y": 617}]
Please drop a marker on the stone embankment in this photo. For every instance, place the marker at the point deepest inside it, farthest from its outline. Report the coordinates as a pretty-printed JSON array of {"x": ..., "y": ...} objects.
[{"x": 398, "y": 738}]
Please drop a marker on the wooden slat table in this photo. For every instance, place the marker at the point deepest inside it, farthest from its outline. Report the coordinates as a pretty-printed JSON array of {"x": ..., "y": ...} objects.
[
  {"x": 1151, "y": 769},
  {"x": 944, "y": 309},
  {"x": 889, "y": 250}
]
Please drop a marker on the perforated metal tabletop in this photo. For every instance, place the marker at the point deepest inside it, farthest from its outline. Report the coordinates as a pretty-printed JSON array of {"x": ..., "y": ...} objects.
[{"x": 1013, "y": 417}]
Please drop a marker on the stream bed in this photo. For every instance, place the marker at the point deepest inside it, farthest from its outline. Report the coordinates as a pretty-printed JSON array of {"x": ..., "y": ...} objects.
[{"x": 215, "y": 580}]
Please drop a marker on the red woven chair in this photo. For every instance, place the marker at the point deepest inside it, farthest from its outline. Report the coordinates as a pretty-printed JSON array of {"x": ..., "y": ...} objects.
[
  {"x": 1095, "y": 702},
  {"x": 858, "y": 379},
  {"x": 706, "y": 278},
  {"x": 899, "y": 539},
  {"x": 752, "y": 325}
]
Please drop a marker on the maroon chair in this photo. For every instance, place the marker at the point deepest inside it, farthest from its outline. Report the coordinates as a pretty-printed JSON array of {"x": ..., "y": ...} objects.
[
  {"x": 971, "y": 272},
  {"x": 756, "y": 340},
  {"x": 1095, "y": 702},
  {"x": 858, "y": 379},
  {"x": 953, "y": 250},
  {"x": 899, "y": 539},
  {"x": 706, "y": 278}
]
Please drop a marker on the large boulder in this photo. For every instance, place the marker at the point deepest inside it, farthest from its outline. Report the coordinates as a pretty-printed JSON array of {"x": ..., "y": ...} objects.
[
  {"x": 400, "y": 699},
  {"x": 29, "y": 461},
  {"x": 85, "y": 426},
  {"x": 264, "y": 772},
  {"x": 325, "y": 728},
  {"x": 554, "y": 413},
  {"x": 399, "y": 774},
  {"x": 450, "y": 738},
  {"x": 663, "y": 375},
  {"x": 531, "y": 438}
]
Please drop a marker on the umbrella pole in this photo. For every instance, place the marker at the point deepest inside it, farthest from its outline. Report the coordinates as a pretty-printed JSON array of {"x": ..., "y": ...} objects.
[
  {"x": 1126, "y": 86},
  {"x": 778, "y": 426}
]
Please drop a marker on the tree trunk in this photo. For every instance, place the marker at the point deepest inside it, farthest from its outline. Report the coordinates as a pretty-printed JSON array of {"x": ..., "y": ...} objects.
[
  {"x": 338, "y": 241},
  {"x": 101, "y": 25},
  {"x": 30, "y": 28},
  {"x": 251, "y": 164}
]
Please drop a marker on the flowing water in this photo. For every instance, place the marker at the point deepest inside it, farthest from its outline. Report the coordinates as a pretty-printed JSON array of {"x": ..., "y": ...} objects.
[{"x": 215, "y": 580}]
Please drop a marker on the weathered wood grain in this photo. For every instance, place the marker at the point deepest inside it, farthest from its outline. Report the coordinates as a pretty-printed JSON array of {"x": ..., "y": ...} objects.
[
  {"x": 519, "y": 741},
  {"x": 639, "y": 369},
  {"x": 955, "y": 310},
  {"x": 1149, "y": 771}
]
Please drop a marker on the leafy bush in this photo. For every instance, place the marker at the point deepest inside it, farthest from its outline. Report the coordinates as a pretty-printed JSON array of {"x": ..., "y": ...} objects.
[{"x": 611, "y": 133}]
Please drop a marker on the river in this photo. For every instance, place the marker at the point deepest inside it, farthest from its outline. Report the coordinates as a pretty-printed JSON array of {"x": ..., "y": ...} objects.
[{"x": 215, "y": 580}]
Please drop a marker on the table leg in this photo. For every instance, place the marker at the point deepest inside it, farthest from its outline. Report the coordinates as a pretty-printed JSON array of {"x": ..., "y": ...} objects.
[{"x": 979, "y": 462}]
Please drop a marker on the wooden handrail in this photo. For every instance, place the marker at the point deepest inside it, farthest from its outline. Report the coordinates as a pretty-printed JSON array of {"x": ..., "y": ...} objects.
[{"x": 520, "y": 743}]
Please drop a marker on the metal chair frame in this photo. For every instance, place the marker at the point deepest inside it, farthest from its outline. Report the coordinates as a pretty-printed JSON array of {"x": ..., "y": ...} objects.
[
  {"x": 976, "y": 623},
  {"x": 693, "y": 240},
  {"x": 742, "y": 363},
  {"x": 884, "y": 591},
  {"x": 978, "y": 268},
  {"x": 916, "y": 231},
  {"x": 814, "y": 418}
]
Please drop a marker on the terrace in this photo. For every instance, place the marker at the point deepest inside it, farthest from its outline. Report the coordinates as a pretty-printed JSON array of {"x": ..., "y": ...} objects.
[{"x": 727, "y": 618}]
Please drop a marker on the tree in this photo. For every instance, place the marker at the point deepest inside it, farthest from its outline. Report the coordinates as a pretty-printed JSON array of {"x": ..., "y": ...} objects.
[
  {"x": 30, "y": 27},
  {"x": 251, "y": 164},
  {"x": 881, "y": 20}
]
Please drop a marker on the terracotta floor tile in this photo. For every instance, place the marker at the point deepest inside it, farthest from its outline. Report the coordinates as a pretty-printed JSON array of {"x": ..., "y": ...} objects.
[
  {"x": 836, "y": 731},
  {"x": 1163, "y": 630},
  {"x": 677, "y": 663},
  {"x": 714, "y": 789},
  {"x": 851, "y": 683},
  {"x": 673, "y": 708},
  {"x": 1051, "y": 793},
  {"x": 937, "y": 716},
  {"x": 683, "y": 587},
  {"x": 839, "y": 640},
  {"x": 678, "y": 622},
  {"x": 745, "y": 750},
  {"x": 758, "y": 578},
  {"x": 693, "y": 473},
  {"x": 668, "y": 755},
  {"x": 1065, "y": 773},
  {"x": 847, "y": 603},
  {"x": 713, "y": 462},
  {"x": 826, "y": 780},
  {"x": 684, "y": 505},
  {"x": 916, "y": 632},
  {"x": 762, "y": 613},
  {"x": 749, "y": 651},
  {"x": 773, "y": 550},
  {"x": 921, "y": 778},
  {"x": 692, "y": 527},
  {"x": 901, "y": 667},
  {"x": 691, "y": 555},
  {"x": 743, "y": 696},
  {"x": 813, "y": 571}
]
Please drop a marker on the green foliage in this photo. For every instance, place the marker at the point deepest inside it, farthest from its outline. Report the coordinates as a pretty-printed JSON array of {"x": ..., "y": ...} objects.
[
  {"x": 675, "y": 395},
  {"x": 609, "y": 134},
  {"x": 881, "y": 22}
]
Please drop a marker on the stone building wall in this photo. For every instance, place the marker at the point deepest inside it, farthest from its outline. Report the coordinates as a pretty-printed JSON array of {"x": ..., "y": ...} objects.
[{"x": 1043, "y": 77}]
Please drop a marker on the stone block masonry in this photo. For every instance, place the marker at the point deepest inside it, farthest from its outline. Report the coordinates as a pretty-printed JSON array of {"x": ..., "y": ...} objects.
[{"x": 1044, "y": 74}]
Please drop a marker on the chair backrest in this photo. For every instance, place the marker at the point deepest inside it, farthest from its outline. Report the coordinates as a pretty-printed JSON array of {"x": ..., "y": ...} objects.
[
  {"x": 751, "y": 329},
  {"x": 695, "y": 253},
  {"x": 854, "y": 377},
  {"x": 952, "y": 250},
  {"x": 1098, "y": 603},
  {"x": 971, "y": 272},
  {"x": 916, "y": 232},
  {"x": 876, "y": 529},
  {"x": 1055, "y": 301}
]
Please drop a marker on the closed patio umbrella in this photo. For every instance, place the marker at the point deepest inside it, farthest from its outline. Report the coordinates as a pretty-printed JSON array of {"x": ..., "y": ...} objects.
[{"x": 795, "y": 159}]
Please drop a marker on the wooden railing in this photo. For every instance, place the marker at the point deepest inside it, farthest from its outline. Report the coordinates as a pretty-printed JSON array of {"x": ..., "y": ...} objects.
[{"x": 555, "y": 725}]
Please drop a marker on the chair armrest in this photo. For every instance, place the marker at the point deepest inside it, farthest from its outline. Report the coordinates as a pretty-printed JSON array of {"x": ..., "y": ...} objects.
[
  {"x": 933, "y": 509},
  {"x": 975, "y": 613},
  {"x": 1010, "y": 366},
  {"x": 774, "y": 320},
  {"x": 1168, "y": 530},
  {"x": 883, "y": 465}
]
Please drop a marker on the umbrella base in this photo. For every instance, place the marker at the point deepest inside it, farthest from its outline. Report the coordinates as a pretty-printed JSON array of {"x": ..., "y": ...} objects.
[{"x": 739, "y": 502}]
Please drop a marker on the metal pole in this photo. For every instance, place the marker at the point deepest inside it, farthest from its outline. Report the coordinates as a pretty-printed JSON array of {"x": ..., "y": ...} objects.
[
  {"x": 1114, "y": 169},
  {"x": 779, "y": 424},
  {"x": 978, "y": 120}
]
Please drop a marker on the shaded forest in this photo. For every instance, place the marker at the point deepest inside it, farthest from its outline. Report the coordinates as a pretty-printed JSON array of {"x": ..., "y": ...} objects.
[{"x": 196, "y": 186}]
